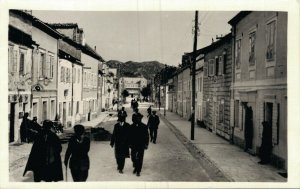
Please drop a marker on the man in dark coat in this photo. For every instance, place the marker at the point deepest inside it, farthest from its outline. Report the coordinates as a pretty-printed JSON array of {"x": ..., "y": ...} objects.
[
  {"x": 25, "y": 128},
  {"x": 136, "y": 116},
  {"x": 35, "y": 129},
  {"x": 139, "y": 141},
  {"x": 265, "y": 150},
  {"x": 44, "y": 159},
  {"x": 153, "y": 123},
  {"x": 78, "y": 148},
  {"x": 122, "y": 113},
  {"x": 120, "y": 140}
]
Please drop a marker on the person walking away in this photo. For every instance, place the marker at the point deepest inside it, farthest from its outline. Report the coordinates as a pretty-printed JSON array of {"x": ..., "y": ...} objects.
[
  {"x": 139, "y": 143},
  {"x": 44, "y": 159},
  {"x": 25, "y": 128},
  {"x": 120, "y": 140},
  {"x": 136, "y": 115},
  {"x": 153, "y": 123},
  {"x": 149, "y": 111},
  {"x": 266, "y": 143},
  {"x": 122, "y": 113},
  {"x": 78, "y": 148}
]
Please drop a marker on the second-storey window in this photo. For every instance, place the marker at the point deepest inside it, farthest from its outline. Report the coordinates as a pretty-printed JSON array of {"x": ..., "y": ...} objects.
[
  {"x": 51, "y": 65},
  {"x": 270, "y": 41},
  {"x": 42, "y": 64},
  {"x": 62, "y": 75},
  {"x": 252, "y": 37},
  {"x": 220, "y": 65},
  {"x": 22, "y": 63},
  {"x": 211, "y": 67},
  {"x": 238, "y": 53}
]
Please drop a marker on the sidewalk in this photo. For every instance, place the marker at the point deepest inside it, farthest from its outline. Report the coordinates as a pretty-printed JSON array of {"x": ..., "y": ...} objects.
[{"x": 232, "y": 161}]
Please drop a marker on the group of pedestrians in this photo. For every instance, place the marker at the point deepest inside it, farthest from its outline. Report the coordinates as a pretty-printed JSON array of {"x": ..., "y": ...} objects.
[
  {"x": 45, "y": 159},
  {"x": 132, "y": 140},
  {"x": 29, "y": 129},
  {"x": 128, "y": 140}
]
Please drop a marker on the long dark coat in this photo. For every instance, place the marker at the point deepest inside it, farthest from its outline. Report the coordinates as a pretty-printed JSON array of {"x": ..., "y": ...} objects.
[
  {"x": 122, "y": 113},
  {"x": 153, "y": 122},
  {"x": 44, "y": 159},
  {"x": 78, "y": 153},
  {"x": 139, "y": 136},
  {"x": 120, "y": 139}
]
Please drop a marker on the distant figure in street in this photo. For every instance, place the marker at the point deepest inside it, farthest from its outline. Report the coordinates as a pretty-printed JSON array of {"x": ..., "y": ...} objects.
[
  {"x": 266, "y": 143},
  {"x": 120, "y": 140},
  {"x": 25, "y": 128},
  {"x": 153, "y": 123},
  {"x": 149, "y": 111},
  {"x": 139, "y": 141},
  {"x": 78, "y": 148},
  {"x": 122, "y": 113},
  {"x": 44, "y": 159},
  {"x": 136, "y": 116}
]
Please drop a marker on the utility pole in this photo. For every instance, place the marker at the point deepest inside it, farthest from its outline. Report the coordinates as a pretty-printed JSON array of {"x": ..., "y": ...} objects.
[
  {"x": 118, "y": 85},
  {"x": 194, "y": 77},
  {"x": 165, "y": 89}
]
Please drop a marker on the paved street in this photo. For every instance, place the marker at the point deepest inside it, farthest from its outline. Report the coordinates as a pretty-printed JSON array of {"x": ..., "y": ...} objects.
[{"x": 168, "y": 160}]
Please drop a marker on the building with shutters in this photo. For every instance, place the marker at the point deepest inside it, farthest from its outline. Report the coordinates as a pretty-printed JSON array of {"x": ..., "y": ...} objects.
[
  {"x": 260, "y": 80},
  {"x": 44, "y": 71},
  {"x": 20, "y": 47},
  {"x": 133, "y": 85},
  {"x": 217, "y": 72}
]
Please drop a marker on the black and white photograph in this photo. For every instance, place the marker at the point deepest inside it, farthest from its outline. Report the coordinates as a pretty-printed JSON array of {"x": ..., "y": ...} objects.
[{"x": 150, "y": 95}]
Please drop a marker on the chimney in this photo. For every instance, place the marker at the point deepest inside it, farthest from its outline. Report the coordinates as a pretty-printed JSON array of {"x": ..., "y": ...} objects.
[{"x": 95, "y": 48}]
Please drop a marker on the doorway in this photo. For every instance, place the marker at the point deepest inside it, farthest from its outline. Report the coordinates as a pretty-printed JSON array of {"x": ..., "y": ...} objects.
[
  {"x": 269, "y": 115},
  {"x": 248, "y": 126},
  {"x": 12, "y": 122}
]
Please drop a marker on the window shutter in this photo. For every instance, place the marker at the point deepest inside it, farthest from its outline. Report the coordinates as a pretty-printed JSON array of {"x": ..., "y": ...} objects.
[
  {"x": 224, "y": 63},
  {"x": 51, "y": 66},
  {"x": 47, "y": 73},
  {"x": 15, "y": 61},
  {"x": 216, "y": 65}
]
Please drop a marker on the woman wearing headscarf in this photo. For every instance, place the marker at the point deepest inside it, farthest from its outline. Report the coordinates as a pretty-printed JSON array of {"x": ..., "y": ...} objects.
[
  {"x": 78, "y": 148},
  {"x": 44, "y": 159}
]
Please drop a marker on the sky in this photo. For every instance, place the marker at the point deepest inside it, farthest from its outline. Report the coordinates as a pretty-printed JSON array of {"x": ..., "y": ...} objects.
[{"x": 162, "y": 36}]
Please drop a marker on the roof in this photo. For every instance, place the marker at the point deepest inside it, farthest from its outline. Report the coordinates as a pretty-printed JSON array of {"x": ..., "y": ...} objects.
[
  {"x": 213, "y": 46},
  {"x": 37, "y": 23},
  {"x": 63, "y": 25},
  {"x": 90, "y": 51},
  {"x": 237, "y": 18}
]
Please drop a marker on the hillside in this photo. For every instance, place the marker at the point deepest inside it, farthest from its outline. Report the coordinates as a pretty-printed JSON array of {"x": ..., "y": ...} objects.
[{"x": 135, "y": 69}]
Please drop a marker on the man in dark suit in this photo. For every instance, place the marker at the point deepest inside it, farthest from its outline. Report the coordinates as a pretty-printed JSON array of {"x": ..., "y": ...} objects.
[
  {"x": 122, "y": 113},
  {"x": 153, "y": 123},
  {"x": 120, "y": 140},
  {"x": 139, "y": 142},
  {"x": 136, "y": 115}
]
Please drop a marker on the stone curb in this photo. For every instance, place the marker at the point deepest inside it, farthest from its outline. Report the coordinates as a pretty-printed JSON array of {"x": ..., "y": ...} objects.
[{"x": 214, "y": 172}]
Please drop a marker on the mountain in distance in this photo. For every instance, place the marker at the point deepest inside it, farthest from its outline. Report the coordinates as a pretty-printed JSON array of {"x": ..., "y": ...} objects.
[{"x": 146, "y": 69}]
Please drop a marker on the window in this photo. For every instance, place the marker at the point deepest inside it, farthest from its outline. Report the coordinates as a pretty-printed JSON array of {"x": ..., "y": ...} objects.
[
  {"x": 62, "y": 74},
  {"x": 238, "y": 53},
  {"x": 77, "y": 108},
  {"x": 51, "y": 65},
  {"x": 252, "y": 38},
  {"x": 220, "y": 65},
  {"x": 22, "y": 63},
  {"x": 44, "y": 115},
  {"x": 74, "y": 75},
  {"x": 42, "y": 65},
  {"x": 211, "y": 69},
  {"x": 68, "y": 80},
  {"x": 221, "y": 111},
  {"x": 270, "y": 41},
  {"x": 78, "y": 76},
  {"x": 84, "y": 79}
]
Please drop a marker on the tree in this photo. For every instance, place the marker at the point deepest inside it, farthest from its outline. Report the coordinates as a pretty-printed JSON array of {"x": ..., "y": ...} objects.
[
  {"x": 146, "y": 91},
  {"x": 125, "y": 94}
]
